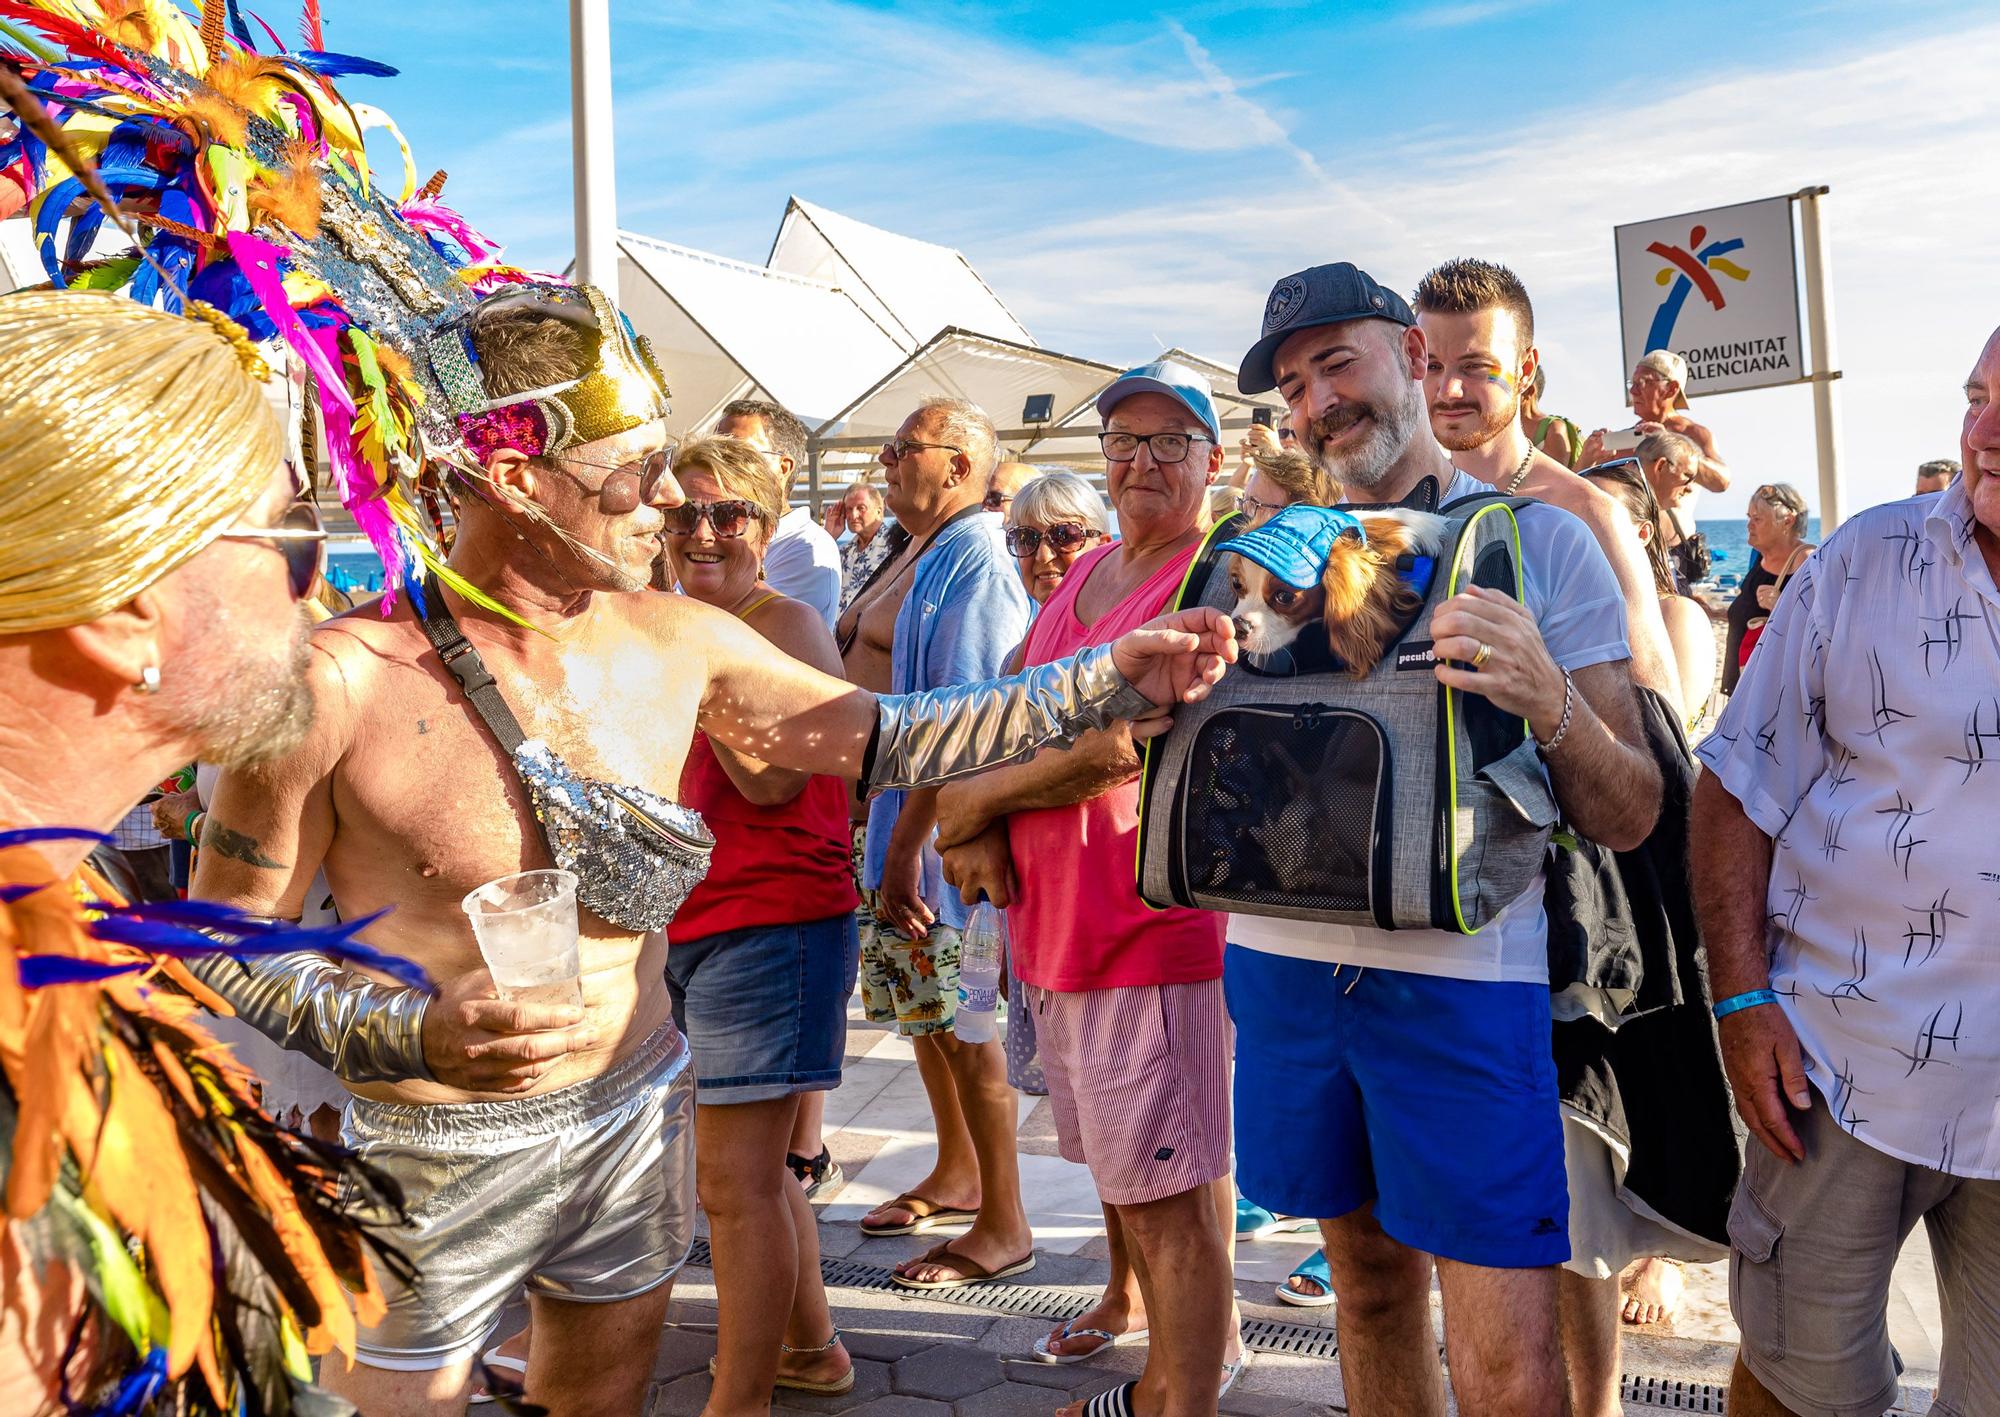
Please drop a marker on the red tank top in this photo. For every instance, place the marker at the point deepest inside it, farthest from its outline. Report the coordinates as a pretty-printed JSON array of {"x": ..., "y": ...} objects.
[{"x": 782, "y": 865}]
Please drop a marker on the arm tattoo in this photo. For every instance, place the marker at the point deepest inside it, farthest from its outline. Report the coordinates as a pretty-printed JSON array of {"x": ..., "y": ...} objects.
[{"x": 225, "y": 841}]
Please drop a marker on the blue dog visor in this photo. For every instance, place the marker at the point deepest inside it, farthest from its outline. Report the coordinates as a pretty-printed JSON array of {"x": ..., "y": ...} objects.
[{"x": 1294, "y": 544}]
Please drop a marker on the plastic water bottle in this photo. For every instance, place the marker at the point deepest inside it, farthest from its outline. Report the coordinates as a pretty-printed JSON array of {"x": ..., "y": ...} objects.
[{"x": 979, "y": 974}]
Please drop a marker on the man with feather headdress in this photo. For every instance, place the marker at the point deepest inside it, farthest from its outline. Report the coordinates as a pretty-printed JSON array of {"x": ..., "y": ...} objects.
[{"x": 536, "y": 1144}]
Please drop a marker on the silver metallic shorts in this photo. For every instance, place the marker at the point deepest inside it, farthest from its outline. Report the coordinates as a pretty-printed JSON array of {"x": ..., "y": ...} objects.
[{"x": 585, "y": 1194}]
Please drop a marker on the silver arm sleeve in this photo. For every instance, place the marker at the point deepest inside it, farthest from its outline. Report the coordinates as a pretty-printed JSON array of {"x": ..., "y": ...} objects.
[
  {"x": 357, "y": 1028},
  {"x": 928, "y": 738}
]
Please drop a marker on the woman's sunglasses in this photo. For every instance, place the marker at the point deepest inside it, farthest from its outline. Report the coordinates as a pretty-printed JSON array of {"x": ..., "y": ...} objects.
[
  {"x": 298, "y": 537},
  {"x": 629, "y": 484},
  {"x": 728, "y": 519},
  {"x": 1024, "y": 541}
]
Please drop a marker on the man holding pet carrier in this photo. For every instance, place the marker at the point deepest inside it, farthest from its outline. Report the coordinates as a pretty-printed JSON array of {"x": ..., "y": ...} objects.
[{"x": 1423, "y": 1117}]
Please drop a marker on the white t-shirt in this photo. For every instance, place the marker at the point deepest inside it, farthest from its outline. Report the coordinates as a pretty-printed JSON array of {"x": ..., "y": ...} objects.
[
  {"x": 1576, "y": 602},
  {"x": 803, "y": 562}
]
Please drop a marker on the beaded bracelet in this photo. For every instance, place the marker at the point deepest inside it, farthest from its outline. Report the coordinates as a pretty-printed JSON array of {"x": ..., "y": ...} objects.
[
  {"x": 1749, "y": 999},
  {"x": 1562, "y": 727}
]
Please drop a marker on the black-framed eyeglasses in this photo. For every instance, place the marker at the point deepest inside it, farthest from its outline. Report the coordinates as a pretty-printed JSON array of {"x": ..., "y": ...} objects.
[
  {"x": 298, "y": 536},
  {"x": 996, "y": 501},
  {"x": 896, "y": 449},
  {"x": 1165, "y": 447},
  {"x": 1025, "y": 541},
  {"x": 631, "y": 483},
  {"x": 728, "y": 519}
]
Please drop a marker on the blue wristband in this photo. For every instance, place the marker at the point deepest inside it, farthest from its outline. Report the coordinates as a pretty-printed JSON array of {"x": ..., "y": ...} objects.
[{"x": 1747, "y": 1000}]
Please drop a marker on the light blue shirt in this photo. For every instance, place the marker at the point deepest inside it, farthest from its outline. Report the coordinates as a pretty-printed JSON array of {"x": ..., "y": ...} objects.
[{"x": 964, "y": 617}]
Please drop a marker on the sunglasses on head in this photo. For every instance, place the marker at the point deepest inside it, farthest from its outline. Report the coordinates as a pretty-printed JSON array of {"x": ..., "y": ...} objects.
[
  {"x": 729, "y": 518},
  {"x": 1024, "y": 541},
  {"x": 297, "y": 536},
  {"x": 629, "y": 484}
]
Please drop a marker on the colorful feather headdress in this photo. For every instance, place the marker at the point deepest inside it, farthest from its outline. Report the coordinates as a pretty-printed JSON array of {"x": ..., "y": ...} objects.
[{"x": 241, "y": 174}]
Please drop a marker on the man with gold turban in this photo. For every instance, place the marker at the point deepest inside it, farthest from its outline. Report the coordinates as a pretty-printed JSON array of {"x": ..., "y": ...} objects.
[{"x": 163, "y": 1241}]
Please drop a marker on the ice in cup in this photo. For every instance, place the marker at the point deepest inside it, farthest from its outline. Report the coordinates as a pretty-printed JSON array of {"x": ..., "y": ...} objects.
[{"x": 526, "y": 928}]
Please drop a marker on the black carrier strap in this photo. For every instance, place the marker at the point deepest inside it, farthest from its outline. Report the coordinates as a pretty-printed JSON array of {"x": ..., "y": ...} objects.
[{"x": 459, "y": 656}]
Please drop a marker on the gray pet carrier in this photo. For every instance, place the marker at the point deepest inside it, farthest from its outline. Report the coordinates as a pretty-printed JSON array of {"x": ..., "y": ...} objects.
[{"x": 1388, "y": 800}]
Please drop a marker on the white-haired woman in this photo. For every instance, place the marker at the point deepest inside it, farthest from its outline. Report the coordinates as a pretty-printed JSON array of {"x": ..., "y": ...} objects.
[{"x": 1776, "y": 525}]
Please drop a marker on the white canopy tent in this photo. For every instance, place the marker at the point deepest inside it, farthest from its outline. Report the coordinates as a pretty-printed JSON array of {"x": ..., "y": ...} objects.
[
  {"x": 723, "y": 330},
  {"x": 912, "y": 288},
  {"x": 1000, "y": 376}
]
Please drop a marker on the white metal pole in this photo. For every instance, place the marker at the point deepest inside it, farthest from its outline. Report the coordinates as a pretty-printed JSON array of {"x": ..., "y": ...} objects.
[
  {"x": 593, "y": 177},
  {"x": 1819, "y": 324}
]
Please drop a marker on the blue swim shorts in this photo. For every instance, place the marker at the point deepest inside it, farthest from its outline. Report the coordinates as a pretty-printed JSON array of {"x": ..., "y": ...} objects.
[
  {"x": 765, "y": 1008},
  {"x": 1432, "y": 1099}
]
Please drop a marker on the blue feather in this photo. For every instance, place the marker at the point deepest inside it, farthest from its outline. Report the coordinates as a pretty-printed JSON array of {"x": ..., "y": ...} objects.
[
  {"x": 176, "y": 928},
  {"x": 44, "y": 971},
  {"x": 24, "y": 836},
  {"x": 137, "y": 1392},
  {"x": 330, "y": 65},
  {"x": 242, "y": 31}
]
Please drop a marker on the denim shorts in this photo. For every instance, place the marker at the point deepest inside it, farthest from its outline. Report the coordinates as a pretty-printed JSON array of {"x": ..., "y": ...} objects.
[{"x": 765, "y": 1008}]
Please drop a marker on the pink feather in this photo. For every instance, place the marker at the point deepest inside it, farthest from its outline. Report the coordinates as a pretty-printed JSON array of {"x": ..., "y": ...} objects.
[
  {"x": 428, "y": 214},
  {"x": 258, "y": 260}
]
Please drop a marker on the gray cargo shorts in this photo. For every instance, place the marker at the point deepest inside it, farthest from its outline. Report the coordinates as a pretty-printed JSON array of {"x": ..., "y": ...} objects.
[{"x": 1811, "y": 1250}]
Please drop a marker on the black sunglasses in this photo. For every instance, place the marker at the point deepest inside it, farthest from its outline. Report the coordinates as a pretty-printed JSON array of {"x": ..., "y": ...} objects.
[
  {"x": 996, "y": 501},
  {"x": 298, "y": 536},
  {"x": 729, "y": 519},
  {"x": 1024, "y": 541},
  {"x": 629, "y": 484}
]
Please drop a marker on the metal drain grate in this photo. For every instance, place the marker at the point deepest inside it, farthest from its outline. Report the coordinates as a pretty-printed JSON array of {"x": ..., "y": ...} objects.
[
  {"x": 1264, "y": 1335},
  {"x": 1672, "y": 1395}
]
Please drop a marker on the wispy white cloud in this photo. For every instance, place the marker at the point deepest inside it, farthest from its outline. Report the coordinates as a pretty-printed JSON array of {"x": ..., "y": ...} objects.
[
  {"x": 1473, "y": 12},
  {"x": 1913, "y": 230}
]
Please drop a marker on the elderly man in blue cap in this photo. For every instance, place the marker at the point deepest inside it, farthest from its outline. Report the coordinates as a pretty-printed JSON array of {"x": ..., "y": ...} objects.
[
  {"x": 1423, "y": 1127},
  {"x": 1128, "y": 1001}
]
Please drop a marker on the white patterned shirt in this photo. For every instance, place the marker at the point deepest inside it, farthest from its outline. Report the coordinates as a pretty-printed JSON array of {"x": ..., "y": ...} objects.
[{"x": 1864, "y": 739}]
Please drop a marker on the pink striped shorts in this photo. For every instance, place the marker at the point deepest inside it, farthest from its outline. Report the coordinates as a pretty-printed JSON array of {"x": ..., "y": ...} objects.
[{"x": 1139, "y": 1083}]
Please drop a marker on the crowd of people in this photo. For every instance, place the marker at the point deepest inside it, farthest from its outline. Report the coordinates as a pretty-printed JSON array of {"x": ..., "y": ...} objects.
[{"x": 784, "y": 756}]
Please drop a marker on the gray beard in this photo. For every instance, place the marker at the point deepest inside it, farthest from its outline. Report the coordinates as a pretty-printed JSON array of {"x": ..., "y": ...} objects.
[
  {"x": 1369, "y": 466},
  {"x": 251, "y": 710}
]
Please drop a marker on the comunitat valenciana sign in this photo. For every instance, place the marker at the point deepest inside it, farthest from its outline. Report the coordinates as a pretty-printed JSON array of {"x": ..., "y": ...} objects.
[{"x": 1720, "y": 289}]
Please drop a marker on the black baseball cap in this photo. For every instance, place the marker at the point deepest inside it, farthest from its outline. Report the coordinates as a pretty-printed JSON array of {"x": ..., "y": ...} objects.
[{"x": 1323, "y": 295}]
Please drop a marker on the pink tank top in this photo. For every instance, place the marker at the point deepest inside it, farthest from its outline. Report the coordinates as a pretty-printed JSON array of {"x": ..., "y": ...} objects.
[{"x": 1078, "y": 922}]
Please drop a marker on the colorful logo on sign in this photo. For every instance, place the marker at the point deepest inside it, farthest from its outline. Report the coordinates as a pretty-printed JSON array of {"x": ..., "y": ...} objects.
[{"x": 1688, "y": 269}]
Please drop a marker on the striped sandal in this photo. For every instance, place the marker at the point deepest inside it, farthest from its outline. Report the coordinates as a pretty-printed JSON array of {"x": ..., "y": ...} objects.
[{"x": 1112, "y": 1402}]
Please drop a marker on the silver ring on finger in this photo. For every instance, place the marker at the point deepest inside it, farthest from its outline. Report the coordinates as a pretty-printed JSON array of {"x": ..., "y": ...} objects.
[{"x": 1485, "y": 653}]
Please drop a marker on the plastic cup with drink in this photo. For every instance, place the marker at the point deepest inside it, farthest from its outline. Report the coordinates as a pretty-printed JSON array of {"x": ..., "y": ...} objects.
[{"x": 526, "y": 928}]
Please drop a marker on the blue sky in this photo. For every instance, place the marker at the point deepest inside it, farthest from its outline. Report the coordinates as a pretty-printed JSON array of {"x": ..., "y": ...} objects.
[{"x": 1127, "y": 177}]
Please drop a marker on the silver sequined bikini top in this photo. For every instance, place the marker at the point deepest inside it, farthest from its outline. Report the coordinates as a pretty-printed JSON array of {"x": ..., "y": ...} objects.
[{"x": 636, "y": 855}]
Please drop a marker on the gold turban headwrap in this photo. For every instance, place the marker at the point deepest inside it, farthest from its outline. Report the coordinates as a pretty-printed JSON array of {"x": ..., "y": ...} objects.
[{"x": 129, "y": 439}]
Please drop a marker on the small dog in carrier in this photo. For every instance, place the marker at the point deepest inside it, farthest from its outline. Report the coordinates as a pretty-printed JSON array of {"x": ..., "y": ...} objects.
[{"x": 1352, "y": 573}]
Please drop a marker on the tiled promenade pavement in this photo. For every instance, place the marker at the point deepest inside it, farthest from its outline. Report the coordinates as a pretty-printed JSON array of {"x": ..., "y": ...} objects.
[{"x": 918, "y": 1356}]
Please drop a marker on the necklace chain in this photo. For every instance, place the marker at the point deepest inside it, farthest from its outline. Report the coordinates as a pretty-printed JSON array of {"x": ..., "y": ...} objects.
[{"x": 1521, "y": 472}]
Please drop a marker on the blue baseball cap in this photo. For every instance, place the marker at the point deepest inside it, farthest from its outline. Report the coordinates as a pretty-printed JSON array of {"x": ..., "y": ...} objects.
[
  {"x": 1323, "y": 295},
  {"x": 1165, "y": 376},
  {"x": 1294, "y": 544}
]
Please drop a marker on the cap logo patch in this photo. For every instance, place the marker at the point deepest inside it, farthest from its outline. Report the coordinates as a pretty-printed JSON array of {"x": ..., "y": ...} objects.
[{"x": 1286, "y": 297}]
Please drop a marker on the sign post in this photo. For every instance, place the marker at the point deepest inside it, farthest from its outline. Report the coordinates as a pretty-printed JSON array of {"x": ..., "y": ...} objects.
[
  {"x": 1721, "y": 289},
  {"x": 590, "y": 145},
  {"x": 1819, "y": 315}
]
